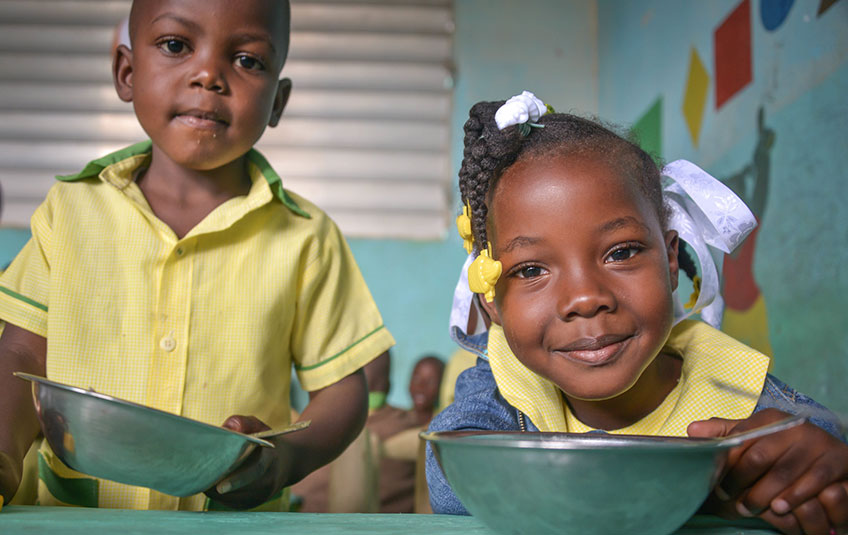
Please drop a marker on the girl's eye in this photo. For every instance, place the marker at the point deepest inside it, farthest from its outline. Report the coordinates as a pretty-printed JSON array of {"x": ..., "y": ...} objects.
[
  {"x": 173, "y": 46},
  {"x": 250, "y": 63},
  {"x": 621, "y": 254},
  {"x": 529, "y": 272}
]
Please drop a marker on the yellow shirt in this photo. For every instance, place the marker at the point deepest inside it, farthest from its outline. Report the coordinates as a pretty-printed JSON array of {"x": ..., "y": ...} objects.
[
  {"x": 710, "y": 358},
  {"x": 205, "y": 326}
]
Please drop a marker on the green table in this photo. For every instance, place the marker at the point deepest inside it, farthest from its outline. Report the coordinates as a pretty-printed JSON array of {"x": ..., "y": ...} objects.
[{"x": 72, "y": 521}]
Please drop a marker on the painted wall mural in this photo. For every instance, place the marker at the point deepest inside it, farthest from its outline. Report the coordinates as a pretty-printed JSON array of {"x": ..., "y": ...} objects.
[
  {"x": 745, "y": 313},
  {"x": 754, "y": 92}
]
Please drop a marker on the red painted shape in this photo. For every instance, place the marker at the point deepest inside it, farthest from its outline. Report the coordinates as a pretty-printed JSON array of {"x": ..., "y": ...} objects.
[
  {"x": 732, "y": 53},
  {"x": 740, "y": 288}
]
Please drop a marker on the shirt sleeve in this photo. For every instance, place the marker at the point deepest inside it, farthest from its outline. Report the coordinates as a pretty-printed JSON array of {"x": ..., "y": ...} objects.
[
  {"x": 25, "y": 285},
  {"x": 778, "y": 395},
  {"x": 338, "y": 328}
]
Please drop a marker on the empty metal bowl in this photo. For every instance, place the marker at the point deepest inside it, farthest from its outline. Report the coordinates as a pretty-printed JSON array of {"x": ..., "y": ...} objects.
[
  {"x": 579, "y": 484},
  {"x": 111, "y": 438}
]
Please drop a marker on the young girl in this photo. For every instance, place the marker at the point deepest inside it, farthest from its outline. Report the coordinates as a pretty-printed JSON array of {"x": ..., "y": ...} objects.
[{"x": 576, "y": 264}]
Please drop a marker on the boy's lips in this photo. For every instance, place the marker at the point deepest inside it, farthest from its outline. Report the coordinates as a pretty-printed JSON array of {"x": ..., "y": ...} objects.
[
  {"x": 595, "y": 351},
  {"x": 203, "y": 119}
]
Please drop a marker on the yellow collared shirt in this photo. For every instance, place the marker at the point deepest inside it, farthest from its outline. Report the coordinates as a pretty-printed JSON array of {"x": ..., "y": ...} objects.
[{"x": 205, "y": 326}]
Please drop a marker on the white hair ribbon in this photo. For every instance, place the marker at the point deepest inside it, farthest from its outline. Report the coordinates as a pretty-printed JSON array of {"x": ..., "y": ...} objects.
[
  {"x": 705, "y": 212},
  {"x": 463, "y": 303}
]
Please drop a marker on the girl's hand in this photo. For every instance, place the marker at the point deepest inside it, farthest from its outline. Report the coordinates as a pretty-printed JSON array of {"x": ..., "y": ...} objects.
[
  {"x": 796, "y": 480},
  {"x": 259, "y": 477}
]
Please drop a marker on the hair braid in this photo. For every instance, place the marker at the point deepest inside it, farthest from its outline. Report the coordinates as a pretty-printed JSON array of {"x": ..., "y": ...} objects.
[{"x": 488, "y": 152}]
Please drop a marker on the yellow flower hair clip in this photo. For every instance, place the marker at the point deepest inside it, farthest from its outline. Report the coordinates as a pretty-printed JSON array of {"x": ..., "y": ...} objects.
[
  {"x": 463, "y": 224},
  {"x": 484, "y": 273}
]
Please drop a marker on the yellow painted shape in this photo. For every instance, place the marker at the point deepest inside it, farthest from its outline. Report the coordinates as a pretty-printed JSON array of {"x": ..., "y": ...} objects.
[
  {"x": 749, "y": 326},
  {"x": 695, "y": 95}
]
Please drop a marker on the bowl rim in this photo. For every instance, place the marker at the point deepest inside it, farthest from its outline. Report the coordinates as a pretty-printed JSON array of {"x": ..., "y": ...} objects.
[
  {"x": 43, "y": 381},
  {"x": 542, "y": 440}
]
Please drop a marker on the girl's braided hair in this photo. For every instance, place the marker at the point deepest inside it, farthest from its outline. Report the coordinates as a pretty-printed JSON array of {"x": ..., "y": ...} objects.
[{"x": 489, "y": 152}]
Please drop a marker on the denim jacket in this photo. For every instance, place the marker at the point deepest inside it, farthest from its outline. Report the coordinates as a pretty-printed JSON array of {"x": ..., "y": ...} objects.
[{"x": 479, "y": 405}]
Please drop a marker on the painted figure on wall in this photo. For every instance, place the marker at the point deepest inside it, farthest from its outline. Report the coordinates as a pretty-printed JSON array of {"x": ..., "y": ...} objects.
[{"x": 745, "y": 316}]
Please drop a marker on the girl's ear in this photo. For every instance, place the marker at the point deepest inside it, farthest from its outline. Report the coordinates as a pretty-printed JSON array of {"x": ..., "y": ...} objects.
[
  {"x": 489, "y": 308},
  {"x": 283, "y": 92},
  {"x": 672, "y": 242},
  {"x": 122, "y": 73}
]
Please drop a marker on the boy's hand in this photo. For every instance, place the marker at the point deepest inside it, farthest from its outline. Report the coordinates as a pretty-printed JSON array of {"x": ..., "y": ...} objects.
[
  {"x": 796, "y": 480},
  {"x": 337, "y": 413},
  {"x": 258, "y": 478}
]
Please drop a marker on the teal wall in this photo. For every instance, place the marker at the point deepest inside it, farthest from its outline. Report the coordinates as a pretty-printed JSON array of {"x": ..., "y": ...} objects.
[{"x": 799, "y": 79}]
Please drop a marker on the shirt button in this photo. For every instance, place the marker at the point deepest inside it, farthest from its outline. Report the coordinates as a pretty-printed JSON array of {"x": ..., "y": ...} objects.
[
  {"x": 180, "y": 251},
  {"x": 168, "y": 343}
]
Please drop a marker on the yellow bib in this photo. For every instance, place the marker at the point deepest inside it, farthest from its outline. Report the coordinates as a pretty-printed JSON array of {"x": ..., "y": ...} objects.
[{"x": 710, "y": 358}]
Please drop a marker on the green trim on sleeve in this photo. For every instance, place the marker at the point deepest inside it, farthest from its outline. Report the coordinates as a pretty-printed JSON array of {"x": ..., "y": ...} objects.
[
  {"x": 74, "y": 491},
  {"x": 23, "y": 298},
  {"x": 340, "y": 353}
]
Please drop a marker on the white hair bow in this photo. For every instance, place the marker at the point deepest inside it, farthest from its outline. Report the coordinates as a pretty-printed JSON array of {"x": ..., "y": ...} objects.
[
  {"x": 705, "y": 213},
  {"x": 520, "y": 109}
]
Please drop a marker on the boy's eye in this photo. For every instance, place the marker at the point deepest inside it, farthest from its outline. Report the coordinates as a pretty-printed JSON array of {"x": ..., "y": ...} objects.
[
  {"x": 173, "y": 46},
  {"x": 249, "y": 63},
  {"x": 623, "y": 253}
]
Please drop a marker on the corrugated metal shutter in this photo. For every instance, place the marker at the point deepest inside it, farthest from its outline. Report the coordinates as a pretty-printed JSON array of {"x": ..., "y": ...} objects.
[{"x": 365, "y": 135}]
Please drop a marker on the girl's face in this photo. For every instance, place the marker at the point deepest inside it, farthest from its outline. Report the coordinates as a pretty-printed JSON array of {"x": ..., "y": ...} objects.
[{"x": 585, "y": 298}]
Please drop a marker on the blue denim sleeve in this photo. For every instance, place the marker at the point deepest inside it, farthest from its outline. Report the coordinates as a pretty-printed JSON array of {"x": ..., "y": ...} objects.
[
  {"x": 477, "y": 406},
  {"x": 778, "y": 395}
]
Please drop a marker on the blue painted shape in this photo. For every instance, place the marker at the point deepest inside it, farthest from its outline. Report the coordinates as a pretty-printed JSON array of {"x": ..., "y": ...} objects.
[{"x": 774, "y": 12}]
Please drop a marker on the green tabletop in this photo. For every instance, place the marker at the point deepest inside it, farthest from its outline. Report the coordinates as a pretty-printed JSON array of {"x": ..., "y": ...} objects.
[{"x": 72, "y": 521}]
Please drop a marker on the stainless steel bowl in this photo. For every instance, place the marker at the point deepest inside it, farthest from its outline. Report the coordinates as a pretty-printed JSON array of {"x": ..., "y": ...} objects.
[
  {"x": 111, "y": 438},
  {"x": 579, "y": 484}
]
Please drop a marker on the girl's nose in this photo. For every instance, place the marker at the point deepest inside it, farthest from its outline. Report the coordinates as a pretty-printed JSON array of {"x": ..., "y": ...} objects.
[
  {"x": 583, "y": 294},
  {"x": 208, "y": 74}
]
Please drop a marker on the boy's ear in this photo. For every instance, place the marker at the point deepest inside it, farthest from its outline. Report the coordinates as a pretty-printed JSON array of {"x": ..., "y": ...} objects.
[
  {"x": 284, "y": 88},
  {"x": 672, "y": 242},
  {"x": 122, "y": 73}
]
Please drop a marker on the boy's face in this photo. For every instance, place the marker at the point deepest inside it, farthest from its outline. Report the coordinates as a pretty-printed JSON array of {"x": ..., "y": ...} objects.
[
  {"x": 585, "y": 295},
  {"x": 203, "y": 75},
  {"x": 424, "y": 385}
]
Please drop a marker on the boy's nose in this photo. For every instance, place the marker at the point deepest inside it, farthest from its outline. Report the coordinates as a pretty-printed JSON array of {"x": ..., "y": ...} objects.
[
  {"x": 582, "y": 295},
  {"x": 209, "y": 75}
]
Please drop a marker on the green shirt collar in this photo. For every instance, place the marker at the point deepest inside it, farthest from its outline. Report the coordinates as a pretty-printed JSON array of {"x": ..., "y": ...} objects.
[{"x": 94, "y": 167}]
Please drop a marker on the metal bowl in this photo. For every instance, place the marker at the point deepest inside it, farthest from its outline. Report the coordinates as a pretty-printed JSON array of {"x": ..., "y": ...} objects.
[
  {"x": 111, "y": 438},
  {"x": 582, "y": 484}
]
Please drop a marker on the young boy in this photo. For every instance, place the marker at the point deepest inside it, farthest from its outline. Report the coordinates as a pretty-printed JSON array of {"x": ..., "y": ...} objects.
[{"x": 178, "y": 273}]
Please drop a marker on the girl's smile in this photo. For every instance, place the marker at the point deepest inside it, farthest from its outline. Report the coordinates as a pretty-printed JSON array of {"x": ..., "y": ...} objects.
[
  {"x": 585, "y": 298},
  {"x": 595, "y": 351}
]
